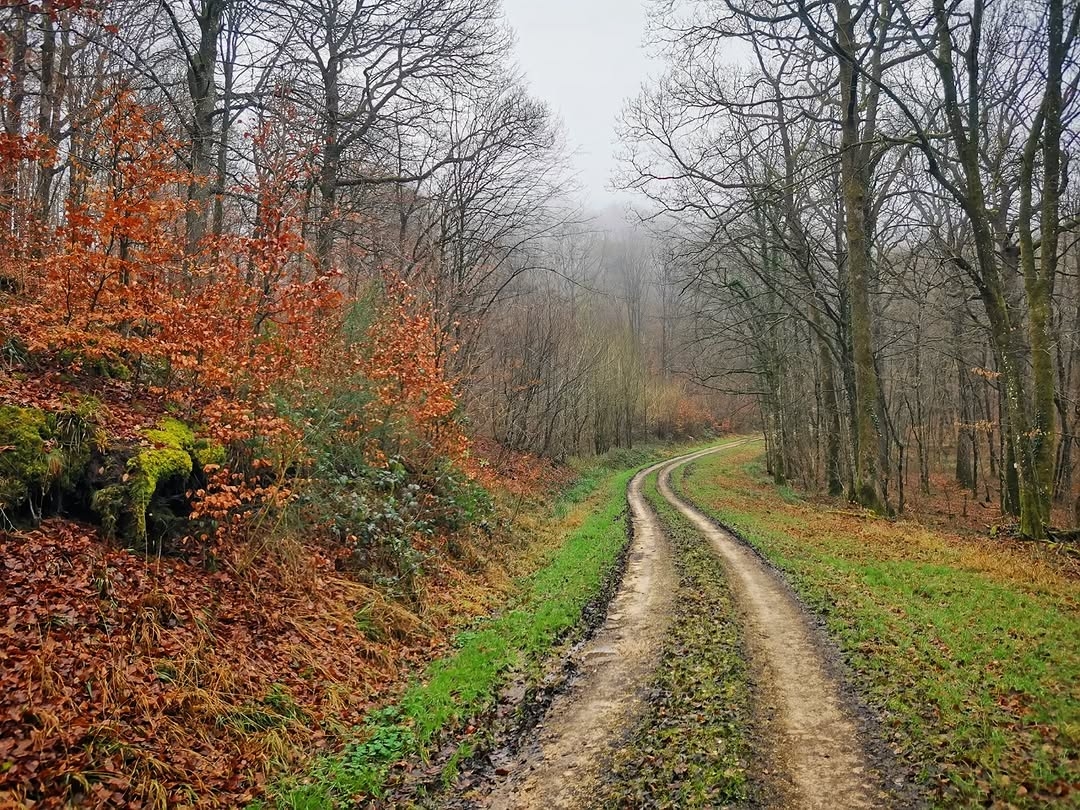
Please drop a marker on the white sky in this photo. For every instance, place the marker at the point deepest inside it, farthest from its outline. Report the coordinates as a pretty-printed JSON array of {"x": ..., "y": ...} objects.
[{"x": 584, "y": 58}]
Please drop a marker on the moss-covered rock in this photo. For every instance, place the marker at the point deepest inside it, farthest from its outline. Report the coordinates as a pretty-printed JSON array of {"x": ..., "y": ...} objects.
[
  {"x": 25, "y": 468},
  {"x": 175, "y": 456},
  {"x": 149, "y": 469},
  {"x": 46, "y": 454},
  {"x": 175, "y": 434}
]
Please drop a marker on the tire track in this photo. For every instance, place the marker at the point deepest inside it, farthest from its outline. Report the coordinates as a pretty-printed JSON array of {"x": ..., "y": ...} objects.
[
  {"x": 583, "y": 726},
  {"x": 815, "y": 742}
]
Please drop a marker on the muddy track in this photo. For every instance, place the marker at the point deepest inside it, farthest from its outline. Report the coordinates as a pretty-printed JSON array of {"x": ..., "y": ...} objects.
[
  {"x": 572, "y": 744},
  {"x": 815, "y": 744}
]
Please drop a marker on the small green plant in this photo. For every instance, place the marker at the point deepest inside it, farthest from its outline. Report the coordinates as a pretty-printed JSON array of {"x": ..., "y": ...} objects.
[
  {"x": 366, "y": 623},
  {"x": 452, "y": 768}
]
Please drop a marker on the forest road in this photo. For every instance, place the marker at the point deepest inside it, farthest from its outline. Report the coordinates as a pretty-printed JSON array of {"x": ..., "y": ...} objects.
[
  {"x": 583, "y": 726},
  {"x": 814, "y": 755},
  {"x": 812, "y": 737}
]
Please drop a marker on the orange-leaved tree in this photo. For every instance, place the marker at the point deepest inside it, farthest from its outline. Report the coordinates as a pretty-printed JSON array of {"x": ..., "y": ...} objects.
[{"x": 413, "y": 411}]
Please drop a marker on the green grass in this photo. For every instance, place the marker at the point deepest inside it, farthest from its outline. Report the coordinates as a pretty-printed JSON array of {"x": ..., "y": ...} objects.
[
  {"x": 972, "y": 662},
  {"x": 691, "y": 748},
  {"x": 465, "y": 684}
]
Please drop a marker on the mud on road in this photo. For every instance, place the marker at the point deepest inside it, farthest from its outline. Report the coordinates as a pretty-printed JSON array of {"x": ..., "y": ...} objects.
[
  {"x": 563, "y": 762},
  {"x": 814, "y": 747}
]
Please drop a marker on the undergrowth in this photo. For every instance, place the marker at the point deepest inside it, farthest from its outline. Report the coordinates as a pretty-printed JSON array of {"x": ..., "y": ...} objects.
[
  {"x": 969, "y": 648},
  {"x": 464, "y": 684}
]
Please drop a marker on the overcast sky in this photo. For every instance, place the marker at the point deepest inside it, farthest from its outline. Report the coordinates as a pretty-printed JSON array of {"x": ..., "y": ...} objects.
[{"x": 584, "y": 57}]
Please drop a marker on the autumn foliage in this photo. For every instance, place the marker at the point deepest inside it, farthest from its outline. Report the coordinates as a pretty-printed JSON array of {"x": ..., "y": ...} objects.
[
  {"x": 413, "y": 396},
  {"x": 298, "y": 454},
  {"x": 112, "y": 293}
]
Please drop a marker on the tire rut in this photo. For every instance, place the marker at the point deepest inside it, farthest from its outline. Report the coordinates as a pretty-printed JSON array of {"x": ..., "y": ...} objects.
[
  {"x": 583, "y": 727},
  {"x": 815, "y": 744}
]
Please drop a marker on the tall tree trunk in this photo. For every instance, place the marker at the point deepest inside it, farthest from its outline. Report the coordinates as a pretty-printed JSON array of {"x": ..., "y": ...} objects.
[
  {"x": 966, "y": 441},
  {"x": 16, "y": 79},
  {"x": 833, "y": 461},
  {"x": 332, "y": 153},
  {"x": 869, "y": 466},
  {"x": 202, "y": 59},
  {"x": 47, "y": 104}
]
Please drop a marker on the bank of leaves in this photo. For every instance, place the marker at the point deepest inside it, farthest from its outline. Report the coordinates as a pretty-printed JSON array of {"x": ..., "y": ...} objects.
[{"x": 236, "y": 499}]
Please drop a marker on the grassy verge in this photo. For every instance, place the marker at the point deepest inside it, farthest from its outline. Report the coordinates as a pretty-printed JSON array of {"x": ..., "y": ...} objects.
[
  {"x": 465, "y": 684},
  {"x": 691, "y": 749},
  {"x": 968, "y": 647}
]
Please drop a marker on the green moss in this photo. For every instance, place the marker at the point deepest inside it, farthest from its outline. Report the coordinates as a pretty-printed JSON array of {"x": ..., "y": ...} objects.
[
  {"x": 111, "y": 369},
  {"x": 46, "y": 450},
  {"x": 175, "y": 454},
  {"x": 109, "y": 503},
  {"x": 171, "y": 433},
  {"x": 175, "y": 434},
  {"x": 206, "y": 452},
  {"x": 149, "y": 469},
  {"x": 24, "y": 462}
]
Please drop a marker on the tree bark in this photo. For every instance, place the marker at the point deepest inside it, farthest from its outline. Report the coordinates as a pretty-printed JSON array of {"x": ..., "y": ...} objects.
[{"x": 869, "y": 469}]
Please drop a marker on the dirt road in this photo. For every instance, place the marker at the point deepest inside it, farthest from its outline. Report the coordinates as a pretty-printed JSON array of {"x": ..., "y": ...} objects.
[
  {"x": 556, "y": 770},
  {"x": 813, "y": 740},
  {"x": 814, "y": 751}
]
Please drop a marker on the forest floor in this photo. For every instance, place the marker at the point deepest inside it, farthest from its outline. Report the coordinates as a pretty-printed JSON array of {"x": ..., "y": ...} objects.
[
  {"x": 806, "y": 656},
  {"x": 744, "y": 645}
]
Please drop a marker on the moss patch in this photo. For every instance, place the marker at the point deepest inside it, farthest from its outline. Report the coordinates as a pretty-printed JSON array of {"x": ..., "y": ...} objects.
[
  {"x": 149, "y": 469},
  {"x": 174, "y": 434},
  {"x": 24, "y": 463},
  {"x": 45, "y": 454},
  {"x": 171, "y": 433},
  {"x": 177, "y": 454}
]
